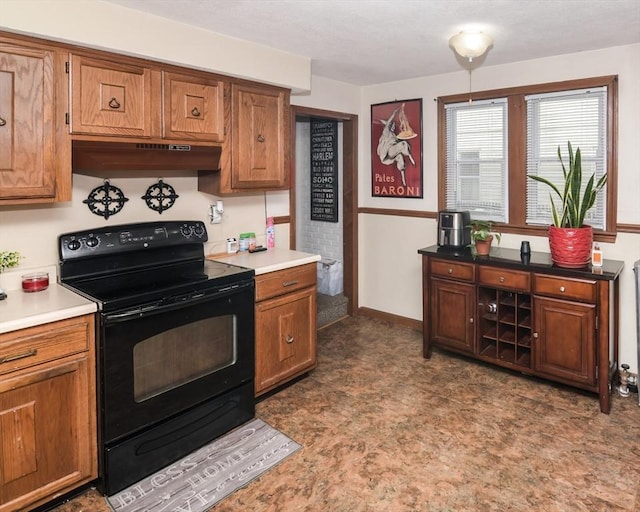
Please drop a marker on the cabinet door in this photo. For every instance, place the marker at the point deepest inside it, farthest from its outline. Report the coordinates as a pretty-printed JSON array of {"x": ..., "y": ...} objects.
[
  {"x": 259, "y": 149},
  {"x": 47, "y": 431},
  {"x": 452, "y": 314},
  {"x": 285, "y": 338},
  {"x": 564, "y": 340},
  {"x": 108, "y": 98},
  {"x": 193, "y": 108},
  {"x": 27, "y": 132}
]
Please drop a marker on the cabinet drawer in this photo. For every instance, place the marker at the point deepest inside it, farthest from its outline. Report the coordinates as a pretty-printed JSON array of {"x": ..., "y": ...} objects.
[
  {"x": 28, "y": 347},
  {"x": 453, "y": 270},
  {"x": 564, "y": 288},
  {"x": 506, "y": 279},
  {"x": 285, "y": 281}
]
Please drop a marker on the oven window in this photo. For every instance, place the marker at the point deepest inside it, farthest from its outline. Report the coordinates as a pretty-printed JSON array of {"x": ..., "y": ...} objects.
[{"x": 183, "y": 354}]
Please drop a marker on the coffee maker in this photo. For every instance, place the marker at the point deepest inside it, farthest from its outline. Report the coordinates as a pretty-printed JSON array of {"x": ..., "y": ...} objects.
[{"x": 454, "y": 231}]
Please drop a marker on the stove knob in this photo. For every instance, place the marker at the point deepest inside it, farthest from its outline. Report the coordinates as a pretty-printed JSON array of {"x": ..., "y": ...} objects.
[
  {"x": 186, "y": 230},
  {"x": 199, "y": 230},
  {"x": 92, "y": 242},
  {"x": 73, "y": 245}
]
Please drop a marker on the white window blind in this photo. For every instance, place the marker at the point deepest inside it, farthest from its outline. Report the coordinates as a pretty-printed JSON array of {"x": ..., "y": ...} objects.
[
  {"x": 476, "y": 152},
  {"x": 553, "y": 119}
]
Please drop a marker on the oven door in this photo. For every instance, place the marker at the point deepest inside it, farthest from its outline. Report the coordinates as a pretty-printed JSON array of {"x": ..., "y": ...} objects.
[{"x": 160, "y": 359}]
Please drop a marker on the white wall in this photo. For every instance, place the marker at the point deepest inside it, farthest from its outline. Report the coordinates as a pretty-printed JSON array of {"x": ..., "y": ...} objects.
[
  {"x": 33, "y": 230},
  {"x": 389, "y": 262}
]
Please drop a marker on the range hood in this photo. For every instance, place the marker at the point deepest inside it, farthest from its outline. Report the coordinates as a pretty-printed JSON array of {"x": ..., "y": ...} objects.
[{"x": 131, "y": 156}]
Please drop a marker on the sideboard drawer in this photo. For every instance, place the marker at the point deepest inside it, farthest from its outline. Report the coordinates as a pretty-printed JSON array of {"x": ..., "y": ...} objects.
[
  {"x": 506, "y": 279},
  {"x": 453, "y": 270},
  {"x": 564, "y": 287}
]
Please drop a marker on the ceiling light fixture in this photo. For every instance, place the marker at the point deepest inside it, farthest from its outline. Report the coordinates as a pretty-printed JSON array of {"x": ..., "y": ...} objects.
[{"x": 470, "y": 44}]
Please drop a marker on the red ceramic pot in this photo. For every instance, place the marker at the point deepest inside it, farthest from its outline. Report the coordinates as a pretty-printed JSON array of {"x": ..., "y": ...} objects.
[{"x": 571, "y": 247}]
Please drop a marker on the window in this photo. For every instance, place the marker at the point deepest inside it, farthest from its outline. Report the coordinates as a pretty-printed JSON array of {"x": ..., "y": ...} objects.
[
  {"x": 477, "y": 159},
  {"x": 553, "y": 119},
  {"x": 488, "y": 146}
]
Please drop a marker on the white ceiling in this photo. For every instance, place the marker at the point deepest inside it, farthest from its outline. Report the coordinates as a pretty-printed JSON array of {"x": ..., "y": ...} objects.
[{"x": 365, "y": 42}]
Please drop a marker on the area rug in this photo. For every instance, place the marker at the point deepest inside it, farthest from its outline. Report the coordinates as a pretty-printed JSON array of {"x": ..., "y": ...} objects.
[{"x": 203, "y": 478}]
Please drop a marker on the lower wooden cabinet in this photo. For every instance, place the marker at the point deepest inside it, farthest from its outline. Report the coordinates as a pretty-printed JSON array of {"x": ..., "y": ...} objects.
[
  {"x": 47, "y": 412},
  {"x": 285, "y": 326},
  {"x": 565, "y": 340},
  {"x": 537, "y": 319},
  {"x": 455, "y": 331}
]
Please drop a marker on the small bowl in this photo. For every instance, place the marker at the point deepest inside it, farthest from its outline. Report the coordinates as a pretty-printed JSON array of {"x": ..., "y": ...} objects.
[{"x": 35, "y": 282}]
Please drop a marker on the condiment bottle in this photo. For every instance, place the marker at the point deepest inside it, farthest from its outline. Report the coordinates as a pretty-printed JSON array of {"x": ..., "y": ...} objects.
[
  {"x": 244, "y": 242},
  {"x": 596, "y": 256}
]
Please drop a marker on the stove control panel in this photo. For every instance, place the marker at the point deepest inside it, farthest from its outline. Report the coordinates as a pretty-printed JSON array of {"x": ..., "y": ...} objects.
[{"x": 130, "y": 237}]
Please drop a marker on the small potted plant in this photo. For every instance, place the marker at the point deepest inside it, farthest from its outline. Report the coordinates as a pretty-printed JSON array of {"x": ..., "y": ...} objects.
[
  {"x": 570, "y": 240},
  {"x": 9, "y": 259},
  {"x": 482, "y": 234}
]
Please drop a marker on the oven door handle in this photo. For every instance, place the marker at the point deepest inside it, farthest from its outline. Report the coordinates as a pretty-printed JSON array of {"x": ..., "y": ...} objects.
[
  {"x": 177, "y": 303},
  {"x": 133, "y": 312}
]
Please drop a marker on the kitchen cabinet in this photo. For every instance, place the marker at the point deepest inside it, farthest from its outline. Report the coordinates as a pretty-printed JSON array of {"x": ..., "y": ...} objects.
[
  {"x": 130, "y": 99},
  {"x": 450, "y": 291},
  {"x": 193, "y": 107},
  {"x": 47, "y": 412},
  {"x": 112, "y": 98},
  {"x": 34, "y": 156},
  {"x": 256, "y": 154},
  {"x": 529, "y": 316},
  {"x": 285, "y": 325}
]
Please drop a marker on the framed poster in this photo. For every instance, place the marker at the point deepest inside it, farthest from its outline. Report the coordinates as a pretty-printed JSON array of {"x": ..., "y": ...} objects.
[
  {"x": 396, "y": 149},
  {"x": 324, "y": 170}
]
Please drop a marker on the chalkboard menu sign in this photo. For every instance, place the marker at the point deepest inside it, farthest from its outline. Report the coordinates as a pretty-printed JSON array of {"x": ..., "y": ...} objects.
[{"x": 324, "y": 170}]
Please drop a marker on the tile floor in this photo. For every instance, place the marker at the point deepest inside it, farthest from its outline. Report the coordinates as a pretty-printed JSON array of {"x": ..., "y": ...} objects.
[{"x": 383, "y": 429}]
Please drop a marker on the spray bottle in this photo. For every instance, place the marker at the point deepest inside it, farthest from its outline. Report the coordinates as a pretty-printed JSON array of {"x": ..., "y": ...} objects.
[{"x": 271, "y": 233}]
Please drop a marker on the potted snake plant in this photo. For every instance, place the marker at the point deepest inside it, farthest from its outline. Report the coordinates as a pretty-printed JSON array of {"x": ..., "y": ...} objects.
[{"x": 570, "y": 240}]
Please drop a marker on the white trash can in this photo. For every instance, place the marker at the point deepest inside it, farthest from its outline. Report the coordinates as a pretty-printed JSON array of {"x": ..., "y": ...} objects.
[{"x": 330, "y": 277}]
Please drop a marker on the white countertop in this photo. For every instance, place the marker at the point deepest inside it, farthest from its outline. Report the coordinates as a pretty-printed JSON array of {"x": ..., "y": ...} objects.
[
  {"x": 21, "y": 309},
  {"x": 267, "y": 261}
]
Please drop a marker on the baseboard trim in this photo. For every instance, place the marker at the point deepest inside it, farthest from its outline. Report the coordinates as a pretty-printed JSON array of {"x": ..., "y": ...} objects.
[{"x": 390, "y": 317}]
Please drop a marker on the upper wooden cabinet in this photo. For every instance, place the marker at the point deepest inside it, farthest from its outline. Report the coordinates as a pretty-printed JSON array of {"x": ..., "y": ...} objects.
[
  {"x": 258, "y": 137},
  {"x": 108, "y": 98},
  {"x": 256, "y": 150},
  {"x": 193, "y": 107},
  {"x": 32, "y": 157},
  {"x": 128, "y": 100}
]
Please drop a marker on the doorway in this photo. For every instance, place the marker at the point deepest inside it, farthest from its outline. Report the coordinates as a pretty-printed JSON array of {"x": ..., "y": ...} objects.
[{"x": 347, "y": 189}]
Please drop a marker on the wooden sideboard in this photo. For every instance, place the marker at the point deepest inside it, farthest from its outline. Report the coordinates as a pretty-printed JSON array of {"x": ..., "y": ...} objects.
[{"x": 524, "y": 313}]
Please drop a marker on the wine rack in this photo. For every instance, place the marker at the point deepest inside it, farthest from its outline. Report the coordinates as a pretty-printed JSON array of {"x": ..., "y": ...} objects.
[{"x": 505, "y": 326}]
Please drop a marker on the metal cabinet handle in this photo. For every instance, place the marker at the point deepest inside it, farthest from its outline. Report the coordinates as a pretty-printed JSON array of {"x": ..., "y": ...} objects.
[
  {"x": 501, "y": 279},
  {"x": 535, "y": 335},
  {"x": 114, "y": 103},
  {"x": 21, "y": 355},
  {"x": 289, "y": 339},
  {"x": 562, "y": 288},
  {"x": 2, "y": 121},
  {"x": 260, "y": 138},
  {"x": 450, "y": 271},
  {"x": 289, "y": 283},
  {"x": 195, "y": 112},
  {"x": 471, "y": 320}
]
